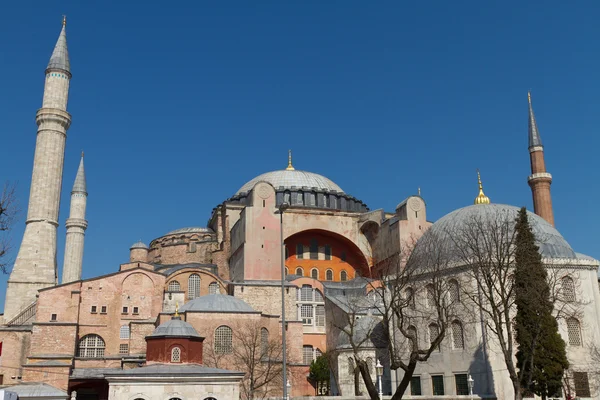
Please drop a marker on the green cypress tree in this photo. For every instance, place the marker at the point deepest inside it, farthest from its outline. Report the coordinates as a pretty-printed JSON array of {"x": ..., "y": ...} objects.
[{"x": 541, "y": 356}]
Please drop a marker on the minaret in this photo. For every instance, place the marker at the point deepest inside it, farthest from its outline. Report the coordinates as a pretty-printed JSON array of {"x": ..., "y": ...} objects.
[
  {"x": 539, "y": 180},
  {"x": 76, "y": 226},
  {"x": 35, "y": 266}
]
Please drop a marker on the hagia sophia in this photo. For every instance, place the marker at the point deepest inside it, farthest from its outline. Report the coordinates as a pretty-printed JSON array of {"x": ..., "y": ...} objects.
[{"x": 162, "y": 325}]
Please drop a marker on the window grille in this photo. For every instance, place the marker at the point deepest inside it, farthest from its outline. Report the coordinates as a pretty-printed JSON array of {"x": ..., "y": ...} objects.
[
  {"x": 369, "y": 362},
  {"x": 453, "y": 291},
  {"x": 193, "y": 286},
  {"x": 91, "y": 346},
  {"x": 307, "y": 354},
  {"x": 351, "y": 366},
  {"x": 320, "y": 317},
  {"x": 300, "y": 251},
  {"x": 53, "y": 317},
  {"x": 462, "y": 384},
  {"x": 213, "y": 288},
  {"x": 174, "y": 286},
  {"x": 93, "y": 311},
  {"x": 306, "y": 314},
  {"x": 438, "y": 385},
  {"x": 314, "y": 249},
  {"x": 329, "y": 275},
  {"x": 343, "y": 276},
  {"x": 176, "y": 354},
  {"x": 314, "y": 273},
  {"x": 318, "y": 296},
  {"x": 327, "y": 252},
  {"x": 568, "y": 288},
  {"x": 415, "y": 386},
  {"x": 574, "y": 332},
  {"x": 136, "y": 310},
  {"x": 123, "y": 348},
  {"x": 458, "y": 340},
  {"x": 125, "y": 310},
  {"x": 410, "y": 298},
  {"x": 299, "y": 271},
  {"x": 318, "y": 353},
  {"x": 103, "y": 310},
  {"x": 412, "y": 337},
  {"x": 264, "y": 341},
  {"x": 582, "y": 384},
  {"x": 223, "y": 340},
  {"x": 124, "y": 332},
  {"x": 306, "y": 293},
  {"x": 430, "y": 296},
  {"x": 434, "y": 331}
]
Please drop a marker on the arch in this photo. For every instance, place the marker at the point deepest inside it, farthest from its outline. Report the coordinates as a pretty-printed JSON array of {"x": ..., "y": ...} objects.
[
  {"x": 458, "y": 339},
  {"x": 193, "y": 286},
  {"x": 329, "y": 275},
  {"x": 568, "y": 289},
  {"x": 453, "y": 291},
  {"x": 430, "y": 295},
  {"x": 175, "y": 354},
  {"x": 299, "y": 271},
  {"x": 306, "y": 293},
  {"x": 319, "y": 296},
  {"x": 410, "y": 297},
  {"x": 223, "y": 343},
  {"x": 434, "y": 331},
  {"x": 314, "y": 273},
  {"x": 343, "y": 276},
  {"x": 91, "y": 346},
  {"x": 411, "y": 332},
  {"x": 351, "y": 366},
  {"x": 264, "y": 341},
  {"x": 174, "y": 286},
  {"x": 370, "y": 365},
  {"x": 213, "y": 288},
  {"x": 574, "y": 332}
]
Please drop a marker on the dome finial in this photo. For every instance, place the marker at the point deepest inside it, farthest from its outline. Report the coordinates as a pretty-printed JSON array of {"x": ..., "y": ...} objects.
[
  {"x": 290, "y": 167},
  {"x": 176, "y": 309},
  {"x": 64, "y": 20},
  {"x": 481, "y": 198}
]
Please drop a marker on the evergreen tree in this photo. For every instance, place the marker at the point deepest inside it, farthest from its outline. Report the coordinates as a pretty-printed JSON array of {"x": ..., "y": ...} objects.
[
  {"x": 541, "y": 356},
  {"x": 319, "y": 373}
]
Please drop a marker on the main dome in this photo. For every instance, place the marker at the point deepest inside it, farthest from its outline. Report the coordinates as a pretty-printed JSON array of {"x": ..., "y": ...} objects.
[
  {"x": 292, "y": 178},
  {"x": 549, "y": 240}
]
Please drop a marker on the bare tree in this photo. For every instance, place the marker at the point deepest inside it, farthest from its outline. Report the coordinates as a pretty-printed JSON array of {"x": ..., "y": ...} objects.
[{"x": 8, "y": 214}]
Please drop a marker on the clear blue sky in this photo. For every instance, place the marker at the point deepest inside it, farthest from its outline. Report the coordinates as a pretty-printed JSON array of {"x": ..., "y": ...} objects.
[{"x": 177, "y": 104}]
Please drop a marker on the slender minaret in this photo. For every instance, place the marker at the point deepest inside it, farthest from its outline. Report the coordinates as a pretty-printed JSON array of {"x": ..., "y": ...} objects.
[
  {"x": 539, "y": 180},
  {"x": 76, "y": 226},
  {"x": 35, "y": 266}
]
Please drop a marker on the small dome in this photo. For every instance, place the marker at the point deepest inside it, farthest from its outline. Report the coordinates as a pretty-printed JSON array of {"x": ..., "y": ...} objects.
[
  {"x": 367, "y": 332},
  {"x": 221, "y": 303},
  {"x": 292, "y": 178},
  {"x": 191, "y": 229},
  {"x": 175, "y": 328},
  {"x": 138, "y": 245},
  {"x": 549, "y": 240}
]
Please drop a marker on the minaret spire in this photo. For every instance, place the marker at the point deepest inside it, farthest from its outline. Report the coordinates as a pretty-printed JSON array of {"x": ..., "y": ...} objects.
[
  {"x": 76, "y": 226},
  {"x": 290, "y": 167},
  {"x": 539, "y": 180},
  {"x": 35, "y": 266}
]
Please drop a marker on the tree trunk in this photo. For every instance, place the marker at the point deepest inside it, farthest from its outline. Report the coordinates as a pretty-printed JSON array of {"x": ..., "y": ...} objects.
[
  {"x": 357, "y": 383},
  {"x": 408, "y": 374},
  {"x": 517, "y": 389}
]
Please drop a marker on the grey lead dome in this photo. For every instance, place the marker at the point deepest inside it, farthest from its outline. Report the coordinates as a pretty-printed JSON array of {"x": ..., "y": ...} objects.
[
  {"x": 217, "y": 303},
  {"x": 292, "y": 178},
  {"x": 175, "y": 328}
]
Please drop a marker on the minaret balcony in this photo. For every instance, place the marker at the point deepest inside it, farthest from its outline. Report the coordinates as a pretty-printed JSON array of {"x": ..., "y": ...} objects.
[{"x": 540, "y": 176}]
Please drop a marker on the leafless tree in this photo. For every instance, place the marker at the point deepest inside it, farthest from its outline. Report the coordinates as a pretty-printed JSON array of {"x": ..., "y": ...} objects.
[{"x": 8, "y": 214}]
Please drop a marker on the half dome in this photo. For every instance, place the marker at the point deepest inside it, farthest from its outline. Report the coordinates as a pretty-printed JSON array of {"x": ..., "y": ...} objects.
[{"x": 292, "y": 178}]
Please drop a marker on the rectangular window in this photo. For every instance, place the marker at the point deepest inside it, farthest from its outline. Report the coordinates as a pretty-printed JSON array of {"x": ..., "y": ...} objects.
[
  {"x": 327, "y": 252},
  {"x": 93, "y": 311},
  {"x": 306, "y": 293},
  {"x": 415, "y": 386},
  {"x": 437, "y": 382},
  {"x": 314, "y": 249},
  {"x": 53, "y": 317},
  {"x": 582, "y": 384},
  {"x": 136, "y": 310},
  {"x": 124, "y": 332},
  {"x": 103, "y": 310},
  {"x": 462, "y": 385},
  {"x": 320, "y": 315},
  {"x": 123, "y": 348},
  {"x": 307, "y": 354},
  {"x": 125, "y": 310},
  {"x": 299, "y": 251},
  {"x": 306, "y": 314}
]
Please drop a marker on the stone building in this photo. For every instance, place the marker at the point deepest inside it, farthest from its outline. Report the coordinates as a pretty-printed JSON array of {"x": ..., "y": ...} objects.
[{"x": 98, "y": 337}]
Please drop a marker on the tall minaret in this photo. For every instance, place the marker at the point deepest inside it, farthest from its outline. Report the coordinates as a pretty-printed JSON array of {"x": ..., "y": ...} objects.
[
  {"x": 35, "y": 266},
  {"x": 539, "y": 180},
  {"x": 76, "y": 226}
]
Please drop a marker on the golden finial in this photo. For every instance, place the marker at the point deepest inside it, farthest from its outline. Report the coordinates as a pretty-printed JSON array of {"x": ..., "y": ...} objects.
[
  {"x": 290, "y": 167},
  {"x": 177, "y": 309},
  {"x": 481, "y": 198},
  {"x": 64, "y": 20}
]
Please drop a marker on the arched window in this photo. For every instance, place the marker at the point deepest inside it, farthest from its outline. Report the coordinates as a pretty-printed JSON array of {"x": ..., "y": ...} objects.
[
  {"x": 193, "y": 286},
  {"x": 319, "y": 296},
  {"x": 434, "y": 331},
  {"x": 327, "y": 252},
  {"x": 124, "y": 332},
  {"x": 264, "y": 341},
  {"x": 223, "y": 340},
  {"x": 351, "y": 366},
  {"x": 410, "y": 297},
  {"x": 299, "y": 271},
  {"x": 314, "y": 273},
  {"x": 370, "y": 365},
  {"x": 300, "y": 250},
  {"x": 91, "y": 346},
  {"x": 453, "y": 291},
  {"x": 329, "y": 275},
  {"x": 430, "y": 292},
  {"x": 314, "y": 249},
  {"x": 411, "y": 332},
  {"x": 306, "y": 293},
  {"x": 213, "y": 288},
  {"x": 568, "y": 288},
  {"x": 307, "y": 355},
  {"x": 174, "y": 286},
  {"x": 176, "y": 355},
  {"x": 458, "y": 339},
  {"x": 343, "y": 276},
  {"x": 574, "y": 332}
]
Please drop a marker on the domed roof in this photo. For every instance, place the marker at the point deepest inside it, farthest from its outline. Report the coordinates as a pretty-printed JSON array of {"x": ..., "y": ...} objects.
[
  {"x": 221, "y": 303},
  {"x": 139, "y": 245},
  {"x": 288, "y": 178},
  {"x": 191, "y": 229},
  {"x": 549, "y": 240},
  {"x": 367, "y": 332},
  {"x": 175, "y": 328}
]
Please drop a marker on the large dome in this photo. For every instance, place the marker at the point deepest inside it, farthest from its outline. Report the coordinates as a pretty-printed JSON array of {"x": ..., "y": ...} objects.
[
  {"x": 549, "y": 240},
  {"x": 292, "y": 178}
]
